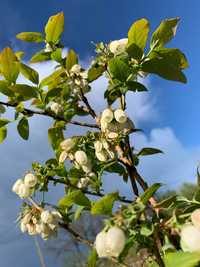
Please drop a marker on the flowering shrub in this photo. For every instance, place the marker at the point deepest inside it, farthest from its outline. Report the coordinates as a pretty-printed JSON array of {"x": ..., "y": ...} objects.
[{"x": 169, "y": 230}]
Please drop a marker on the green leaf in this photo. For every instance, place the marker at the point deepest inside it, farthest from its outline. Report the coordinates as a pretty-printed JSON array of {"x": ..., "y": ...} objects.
[
  {"x": 119, "y": 69},
  {"x": 40, "y": 57},
  {"x": 148, "y": 151},
  {"x": 134, "y": 51},
  {"x": 136, "y": 86},
  {"x": 173, "y": 55},
  {"x": 55, "y": 136},
  {"x": 149, "y": 193},
  {"x": 54, "y": 92},
  {"x": 29, "y": 73},
  {"x": 92, "y": 259},
  {"x": 182, "y": 259},
  {"x": 2, "y": 109},
  {"x": 95, "y": 72},
  {"x": 138, "y": 33},
  {"x": 26, "y": 91},
  {"x": 164, "y": 68},
  {"x": 166, "y": 203},
  {"x": 75, "y": 197},
  {"x": 3, "y": 122},
  {"x": 9, "y": 65},
  {"x": 71, "y": 59},
  {"x": 54, "y": 28},
  {"x": 23, "y": 128},
  {"x": 104, "y": 205},
  {"x": 4, "y": 89},
  {"x": 198, "y": 177},
  {"x": 51, "y": 78},
  {"x": 3, "y": 134},
  {"x": 35, "y": 37},
  {"x": 57, "y": 55},
  {"x": 165, "y": 32}
]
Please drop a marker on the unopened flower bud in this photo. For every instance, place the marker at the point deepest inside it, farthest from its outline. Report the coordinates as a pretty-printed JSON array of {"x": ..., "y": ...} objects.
[
  {"x": 112, "y": 135},
  {"x": 119, "y": 46},
  {"x": 63, "y": 156},
  {"x": 81, "y": 157},
  {"x": 98, "y": 146},
  {"x": 102, "y": 156},
  {"x": 87, "y": 167},
  {"x": 47, "y": 217},
  {"x": 76, "y": 69},
  {"x": 120, "y": 116},
  {"x": 24, "y": 191},
  {"x": 67, "y": 144},
  {"x": 190, "y": 238},
  {"x": 83, "y": 182},
  {"x": 107, "y": 115},
  {"x": 23, "y": 227},
  {"x": 115, "y": 241},
  {"x": 100, "y": 245},
  {"x": 195, "y": 217},
  {"x": 30, "y": 180},
  {"x": 16, "y": 185},
  {"x": 48, "y": 48},
  {"x": 56, "y": 108},
  {"x": 105, "y": 145}
]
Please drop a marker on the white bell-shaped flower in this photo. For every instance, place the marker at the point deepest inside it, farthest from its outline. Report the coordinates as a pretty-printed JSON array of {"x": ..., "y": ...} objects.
[
  {"x": 23, "y": 227},
  {"x": 30, "y": 180},
  {"x": 83, "y": 182},
  {"x": 24, "y": 191},
  {"x": 190, "y": 238},
  {"x": 119, "y": 46},
  {"x": 102, "y": 156},
  {"x": 47, "y": 217},
  {"x": 31, "y": 229},
  {"x": 107, "y": 115},
  {"x": 87, "y": 167},
  {"x": 195, "y": 217},
  {"x": 26, "y": 218},
  {"x": 76, "y": 69},
  {"x": 115, "y": 241},
  {"x": 81, "y": 157},
  {"x": 98, "y": 146},
  {"x": 63, "y": 156},
  {"x": 100, "y": 244},
  {"x": 16, "y": 186},
  {"x": 120, "y": 116},
  {"x": 56, "y": 108},
  {"x": 67, "y": 144}
]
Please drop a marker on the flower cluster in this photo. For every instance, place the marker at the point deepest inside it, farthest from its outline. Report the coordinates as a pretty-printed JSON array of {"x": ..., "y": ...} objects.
[
  {"x": 102, "y": 150},
  {"x": 25, "y": 187},
  {"x": 114, "y": 123},
  {"x": 119, "y": 46},
  {"x": 56, "y": 108},
  {"x": 67, "y": 145},
  {"x": 39, "y": 222},
  {"x": 190, "y": 233},
  {"x": 78, "y": 78},
  {"x": 110, "y": 243}
]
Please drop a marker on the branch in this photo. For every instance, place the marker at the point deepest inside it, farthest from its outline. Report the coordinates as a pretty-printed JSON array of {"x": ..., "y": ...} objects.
[
  {"x": 85, "y": 101},
  {"x": 27, "y": 111},
  {"x": 67, "y": 182}
]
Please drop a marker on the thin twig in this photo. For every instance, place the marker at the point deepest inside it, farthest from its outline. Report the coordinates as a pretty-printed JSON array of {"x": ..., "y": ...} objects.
[{"x": 27, "y": 111}]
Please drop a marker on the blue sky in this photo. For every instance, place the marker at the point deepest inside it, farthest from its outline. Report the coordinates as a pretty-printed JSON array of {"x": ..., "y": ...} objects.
[{"x": 169, "y": 113}]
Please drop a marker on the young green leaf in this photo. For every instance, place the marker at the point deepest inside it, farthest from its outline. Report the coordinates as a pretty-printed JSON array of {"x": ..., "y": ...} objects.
[
  {"x": 71, "y": 59},
  {"x": 54, "y": 28},
  {"x": 9, "y": 65},
  {"x": 164, "y": 68},
  {"x": 136, "y": 86},
  {"x": 4, "y": 89},
  {"x": 138, "y": 33},
  {"x": 26, "y": 91},
  {"x": 23, "y": 128},
  {"x": 95, "y": 72},
  {"x": 149, "y": 193},
  {"x": 146, "y": 151},
  {"x": 55, "y": 136},
  {"x": 3, "y": 122},
  {"x": 75, "y": 197},
  {"x": 182, "y": 259},
  {"x": 164, "y": 33},
  {"x": 119, "y": 69},
  {"x": 104, "y": 205},
  {"x": 3, "y": 134},
  {"x": 29, "y": 73},
  {"x": 40, "y": 57},
  {"x": 92, "y": 259},
  {"x": 35, "y": 37}
]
